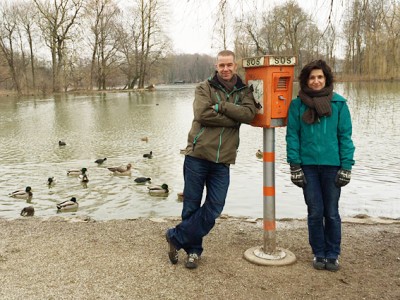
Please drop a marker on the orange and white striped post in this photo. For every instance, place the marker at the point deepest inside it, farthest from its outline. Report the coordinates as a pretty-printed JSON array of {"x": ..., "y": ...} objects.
[
  {"x": 269, "y": 190},
  {"x": 269, "y": 254},
  {"x": 271, "y": 78}
]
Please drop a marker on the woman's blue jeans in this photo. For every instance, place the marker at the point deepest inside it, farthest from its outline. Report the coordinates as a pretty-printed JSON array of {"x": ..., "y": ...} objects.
[
  {"x": 197, "y": 219},
  {"x": 322, "y": 199}
]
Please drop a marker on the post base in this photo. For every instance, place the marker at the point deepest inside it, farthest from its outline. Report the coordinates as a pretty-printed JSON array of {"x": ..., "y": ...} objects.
[{"x": 280, "y": 257}]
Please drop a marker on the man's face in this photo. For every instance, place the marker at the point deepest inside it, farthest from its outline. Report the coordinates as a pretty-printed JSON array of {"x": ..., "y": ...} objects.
[{"x": 226, "y": 67}]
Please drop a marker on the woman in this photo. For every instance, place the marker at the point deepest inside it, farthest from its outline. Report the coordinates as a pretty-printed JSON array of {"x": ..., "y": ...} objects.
[{"x": 320, "y": 153}]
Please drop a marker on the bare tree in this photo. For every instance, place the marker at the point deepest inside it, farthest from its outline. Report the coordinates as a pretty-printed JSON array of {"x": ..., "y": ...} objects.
[
  {"x": 27, "y": 18},
  {"x": 146, "y": 36},
  {"x": 8, "y": 38},
  {"x": 102, "y": 15},
  {"x": 57, "y": 20}
]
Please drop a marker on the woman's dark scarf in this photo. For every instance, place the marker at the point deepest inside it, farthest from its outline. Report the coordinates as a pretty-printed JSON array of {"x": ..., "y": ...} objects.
[{"x": 318, "y": 103}]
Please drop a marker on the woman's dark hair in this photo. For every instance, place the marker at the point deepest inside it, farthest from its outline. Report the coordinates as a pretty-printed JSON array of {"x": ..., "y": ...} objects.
[{"x": 319, "y": 65}]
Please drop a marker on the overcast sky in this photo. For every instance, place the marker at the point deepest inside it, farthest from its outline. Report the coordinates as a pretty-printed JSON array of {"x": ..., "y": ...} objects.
[{"x": 192, "y": 21}]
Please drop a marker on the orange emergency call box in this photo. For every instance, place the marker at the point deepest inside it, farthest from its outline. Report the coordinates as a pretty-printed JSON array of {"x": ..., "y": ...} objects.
[{"x": 272, "y": 79}]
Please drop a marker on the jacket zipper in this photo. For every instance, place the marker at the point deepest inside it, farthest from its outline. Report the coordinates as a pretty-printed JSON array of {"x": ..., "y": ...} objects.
[
  {"x": 197, "y": 137},
  {"x": 220, "y": 143}
]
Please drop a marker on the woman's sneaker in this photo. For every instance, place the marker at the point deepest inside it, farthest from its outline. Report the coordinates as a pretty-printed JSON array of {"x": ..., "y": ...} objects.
[
  {"x": 319, "y": 263},
  {"x": 332, "y": 264},
  {"x": 192, "y": 261}
]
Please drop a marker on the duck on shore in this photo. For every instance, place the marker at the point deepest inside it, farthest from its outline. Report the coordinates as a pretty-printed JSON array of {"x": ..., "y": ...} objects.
[{"x": 28, "y": 211}]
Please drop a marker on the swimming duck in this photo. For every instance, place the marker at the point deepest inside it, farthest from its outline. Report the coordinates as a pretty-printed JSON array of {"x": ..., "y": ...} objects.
[
  {"x": 121, "y": 170},
  {"x": 259, "y": 154},
  {"x": 61, "y": 143},
  {"x": 100, "y": 160},
  {"x": 142, "y": 180},
  {"x": 51, "y": 181},
  {"x": 22, "y": 194},
  {"x": 144, "y": 139},
  {"x": 68, "y": 205},
  {"x": 148, "y": 155},
  {"x": 76, "y": 172},
  {"x": 158, "y": 190},
  {"x": 28, "y": 211},
  {"x": 83, "y": 178}
]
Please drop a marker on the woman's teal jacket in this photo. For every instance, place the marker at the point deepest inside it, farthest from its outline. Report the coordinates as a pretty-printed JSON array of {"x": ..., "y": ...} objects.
[{"x": 326, "y": 142}]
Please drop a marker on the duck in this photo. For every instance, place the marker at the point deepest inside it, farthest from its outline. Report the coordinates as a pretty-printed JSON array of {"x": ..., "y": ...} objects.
[
  {"x": 28, "y": 211},
  {"x": 61, "y": 143},
  {"x": 259, "y": 154},
  {"x": 100, "y": 160},
  {"x": 121, "y": 170},
  {"x": 76, "y": 172},
  {"x": 51, "y": 181},
  {"x": 144, "y": 139},
  {"x": 158, "y": 190},
  {"x": 68, "y": 205},
  {"x": 148, "y": 155},
  {"x": 22, "y": 194},
  {"x": 142, "y": 180},
  {"x": 83, "y": 178}
]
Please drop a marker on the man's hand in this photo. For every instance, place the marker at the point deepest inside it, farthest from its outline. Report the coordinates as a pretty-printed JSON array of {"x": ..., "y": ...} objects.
[
  {"x": 297, "y": 176},
  {"x": 342, "y": 177}
]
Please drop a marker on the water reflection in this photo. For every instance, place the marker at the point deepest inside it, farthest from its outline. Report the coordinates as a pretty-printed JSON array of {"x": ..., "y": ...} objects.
[{"x": 114, "y": 125}]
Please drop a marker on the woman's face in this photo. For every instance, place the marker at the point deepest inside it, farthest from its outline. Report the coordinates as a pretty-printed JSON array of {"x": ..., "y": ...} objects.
[{"x": 316, "y": 81}]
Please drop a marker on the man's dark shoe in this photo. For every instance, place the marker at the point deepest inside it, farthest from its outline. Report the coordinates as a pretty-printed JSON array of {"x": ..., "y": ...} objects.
[
  {"x": 192, "y": 261},
  {"x": 332, "y": 264},
  {"x": 172, "y": 251},
  {"x": 319, "y": 263}
]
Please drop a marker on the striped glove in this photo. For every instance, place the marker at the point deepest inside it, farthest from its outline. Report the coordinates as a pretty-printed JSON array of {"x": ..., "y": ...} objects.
[
  {"x": 342, "y": 177},
  {"x": 297, "y": 176}
]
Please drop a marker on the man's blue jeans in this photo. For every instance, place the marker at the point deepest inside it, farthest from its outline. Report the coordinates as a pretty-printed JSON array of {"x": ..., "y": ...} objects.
[
  {"x": 322, "y": 199},
  {"x": 197, "y": 219}
]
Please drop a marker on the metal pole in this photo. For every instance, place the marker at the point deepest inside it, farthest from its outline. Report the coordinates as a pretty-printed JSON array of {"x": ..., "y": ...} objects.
[
  {"x": 269, "y": 254},
  {"x": 269, "y": 190}
]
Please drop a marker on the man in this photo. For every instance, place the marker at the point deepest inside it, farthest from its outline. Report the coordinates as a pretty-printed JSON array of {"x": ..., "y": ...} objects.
[{"x": 221, "y": 104}]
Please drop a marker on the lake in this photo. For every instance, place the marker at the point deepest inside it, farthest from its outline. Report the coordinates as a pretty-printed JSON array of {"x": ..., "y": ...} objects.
[{"x": 113, "y": 124}]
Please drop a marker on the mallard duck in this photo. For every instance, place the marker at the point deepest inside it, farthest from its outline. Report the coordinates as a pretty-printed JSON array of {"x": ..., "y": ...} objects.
[
  {"x": 83, "y": 178},
  {"x": 68, "y": 205},
  {"x": 76, "y": 172},
  {"x": 51, "y": 181},
  {"x": 28, "y": 211},
  {"x": 142, "y": 180},
  {"x": 100, "y": 160},
  {"x": 259, "y": 154},
  {"x": 144, "y": 139},
  {"x": 121, "y": 170},
  {"x": 22, "y": 194},
  {"x": 148, "y": 155},
  {"x": 158, "y": 190},
  {"x": 61, "y": 143}
]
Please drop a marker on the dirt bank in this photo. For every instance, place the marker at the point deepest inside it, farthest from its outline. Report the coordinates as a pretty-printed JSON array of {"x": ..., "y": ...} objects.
[{"x": 126, "y": 259}]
